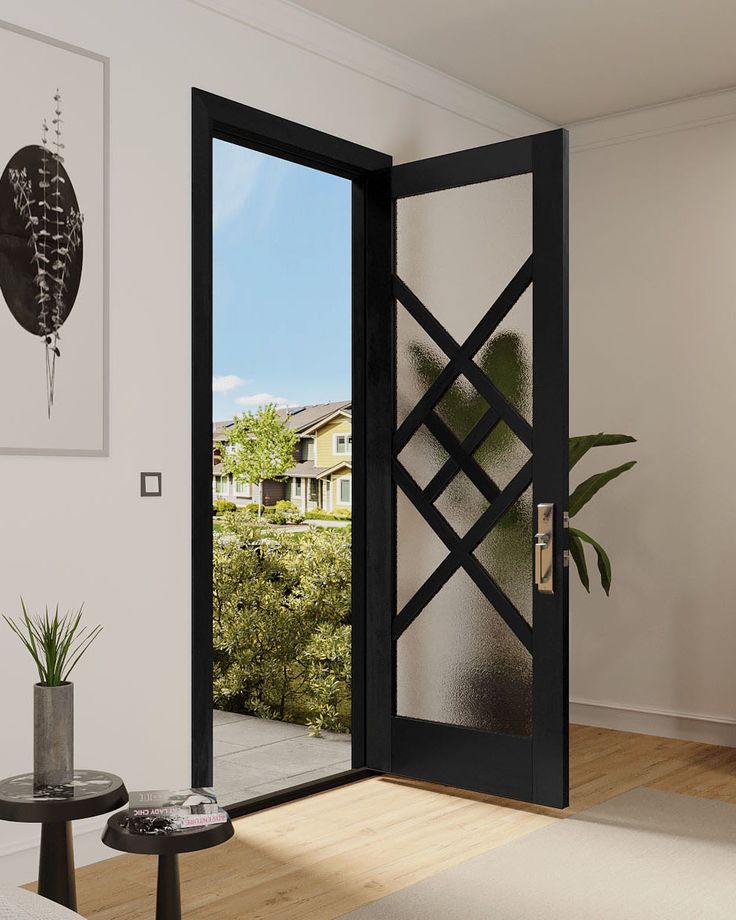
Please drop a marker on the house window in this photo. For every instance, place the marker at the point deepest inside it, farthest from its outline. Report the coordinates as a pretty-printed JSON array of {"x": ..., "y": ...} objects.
[
  {"x": 242, "y": 488},
  {"x": 345, "y": 490},
  {"x": 308, "y": 450},
  {"x": 296, "y": 488},
  {"x": 343, "y": 444},
  {"x": 313, "y": 486}
]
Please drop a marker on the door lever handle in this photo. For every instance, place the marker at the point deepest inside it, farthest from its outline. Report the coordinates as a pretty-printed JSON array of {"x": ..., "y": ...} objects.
[{"x": 544, "y": 556}]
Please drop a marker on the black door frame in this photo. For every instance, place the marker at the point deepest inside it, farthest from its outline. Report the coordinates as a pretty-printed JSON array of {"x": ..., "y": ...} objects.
[{"x": 214, "y": 117}]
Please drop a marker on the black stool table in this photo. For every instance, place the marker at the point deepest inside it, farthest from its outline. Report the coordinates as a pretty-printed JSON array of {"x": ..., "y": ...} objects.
[
  {"x": 90, "y": 793},
  {"x": 167, "y": 847}
]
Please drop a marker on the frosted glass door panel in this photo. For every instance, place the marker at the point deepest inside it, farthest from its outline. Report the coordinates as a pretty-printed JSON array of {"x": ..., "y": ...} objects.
[{"x": 463, "y": 650}]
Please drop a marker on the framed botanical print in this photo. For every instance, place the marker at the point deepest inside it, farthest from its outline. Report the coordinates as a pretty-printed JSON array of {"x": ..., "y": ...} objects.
[{"x": 53, "y": 247}]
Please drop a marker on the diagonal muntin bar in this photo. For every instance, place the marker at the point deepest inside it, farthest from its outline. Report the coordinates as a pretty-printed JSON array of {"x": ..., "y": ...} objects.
[
  {"x": 460, "y": 357},
  {"x": 443, "y": 477},
  {"x": 461, "y": 554},
  {"x": 469, "y": 465}
]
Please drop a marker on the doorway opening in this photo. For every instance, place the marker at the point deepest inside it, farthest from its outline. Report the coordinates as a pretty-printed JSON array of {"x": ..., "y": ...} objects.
[
  {"x": 281, "y": 473},
  {"x": 283, "y": 272}
]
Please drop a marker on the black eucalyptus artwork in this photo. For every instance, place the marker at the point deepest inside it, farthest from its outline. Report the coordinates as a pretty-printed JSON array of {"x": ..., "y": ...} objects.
[{"x": 41, "y": 245}]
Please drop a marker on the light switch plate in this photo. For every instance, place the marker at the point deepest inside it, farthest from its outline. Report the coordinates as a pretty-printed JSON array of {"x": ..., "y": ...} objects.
[{"x": 150, "y": 485}]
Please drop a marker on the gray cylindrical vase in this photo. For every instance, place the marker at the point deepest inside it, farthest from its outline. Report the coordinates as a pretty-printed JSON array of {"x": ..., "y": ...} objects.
[{"x": 53, "y": 735}]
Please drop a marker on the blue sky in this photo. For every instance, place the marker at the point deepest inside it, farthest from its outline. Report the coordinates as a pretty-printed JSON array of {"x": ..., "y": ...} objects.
[{"x": 281, "y": 282}]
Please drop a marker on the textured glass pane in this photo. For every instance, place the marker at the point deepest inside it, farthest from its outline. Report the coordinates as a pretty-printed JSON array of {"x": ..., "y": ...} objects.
[
  {"x": 461, "y": 504},
  {"x": 458, "y": 249},
  {"x": 506, "y": 358},
  {"x": 418, "y": 362},
  {"x": 507, "y": 554},
  {"x": 422, "y": 457},
  {"x": 461, "y": 407},
  {"x": 458, "y": 663},
  {"x": 502, "y": 454},
  {"x": 419, "y": 550}
]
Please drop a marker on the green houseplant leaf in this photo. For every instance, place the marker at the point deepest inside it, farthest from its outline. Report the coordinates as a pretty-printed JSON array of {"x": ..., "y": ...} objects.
[
  {"x": 579, "y": 446},
  {"x": 578, "y": 557},
  {"x": 588, "y": 488},
  {"x": 604, "y": 563}
]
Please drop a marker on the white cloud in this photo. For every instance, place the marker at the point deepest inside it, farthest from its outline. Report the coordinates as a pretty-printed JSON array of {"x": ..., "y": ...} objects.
[
  {"x": 262, "y": 399},
  {"x": 235, "y": 171},
  {"x": 224, "y": 383}
]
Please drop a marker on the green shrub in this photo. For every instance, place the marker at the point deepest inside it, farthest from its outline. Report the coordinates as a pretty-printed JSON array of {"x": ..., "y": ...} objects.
[
  {"x": 283, "y": 512},
  {"x": 327, "y": 659},
  {"x": 251, "y": 508},
  {"x": 339, "y": 514},
  {"x": 286, "y": 517},
  {"x": 281, "y": 624},
  {"x": 221, "y": 505}
]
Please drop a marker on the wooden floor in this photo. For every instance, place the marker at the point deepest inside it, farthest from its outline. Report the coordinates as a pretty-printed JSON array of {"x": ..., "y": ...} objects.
[{"x": 320, "y": 857}]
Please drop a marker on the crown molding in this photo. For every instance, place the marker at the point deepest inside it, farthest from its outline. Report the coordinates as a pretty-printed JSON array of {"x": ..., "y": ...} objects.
[
  {"x": 666, "y": 118},
  {"x": 311, "y": 32}
]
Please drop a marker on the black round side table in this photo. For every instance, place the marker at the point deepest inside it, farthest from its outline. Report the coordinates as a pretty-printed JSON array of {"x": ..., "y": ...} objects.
[
  {"x": 167, "y": 847},
  {"x": 90, "y": 793}
]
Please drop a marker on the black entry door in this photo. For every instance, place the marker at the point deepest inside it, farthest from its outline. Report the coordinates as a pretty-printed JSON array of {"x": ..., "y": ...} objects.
[{"x": 467, "y": 640}]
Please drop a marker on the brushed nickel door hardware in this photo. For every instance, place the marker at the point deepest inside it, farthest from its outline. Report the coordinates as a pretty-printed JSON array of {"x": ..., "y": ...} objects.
[{"x": 544, "y": 548}]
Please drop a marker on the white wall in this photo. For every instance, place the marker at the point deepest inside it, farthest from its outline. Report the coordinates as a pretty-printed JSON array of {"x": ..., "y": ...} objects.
[
  {"x": 653, "y": 327},
  {"x": 652, "y": 307},
  {"x": 75, "y": 529}
]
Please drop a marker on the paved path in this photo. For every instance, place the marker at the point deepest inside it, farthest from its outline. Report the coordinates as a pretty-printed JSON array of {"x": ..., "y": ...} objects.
[{"x": 255, "y": 756}]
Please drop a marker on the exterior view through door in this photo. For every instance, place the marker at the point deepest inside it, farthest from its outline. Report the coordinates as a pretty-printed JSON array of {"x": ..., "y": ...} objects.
[{"x": 281, "y": 473}]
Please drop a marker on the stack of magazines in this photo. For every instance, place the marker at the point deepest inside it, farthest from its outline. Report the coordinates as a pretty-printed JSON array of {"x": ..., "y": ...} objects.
[{"x": 162, "y": 811}]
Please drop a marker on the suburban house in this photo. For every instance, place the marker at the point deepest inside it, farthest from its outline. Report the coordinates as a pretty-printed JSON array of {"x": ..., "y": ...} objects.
[{"x": 322, "y": 473}]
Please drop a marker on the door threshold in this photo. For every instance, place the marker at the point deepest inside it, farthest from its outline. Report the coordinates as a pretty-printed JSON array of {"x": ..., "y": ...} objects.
[{"x": 302, "y": 791}]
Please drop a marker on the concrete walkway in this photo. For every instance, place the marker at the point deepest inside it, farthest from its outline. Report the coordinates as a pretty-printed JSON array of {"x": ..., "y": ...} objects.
[{"x": 256, "y": 756}]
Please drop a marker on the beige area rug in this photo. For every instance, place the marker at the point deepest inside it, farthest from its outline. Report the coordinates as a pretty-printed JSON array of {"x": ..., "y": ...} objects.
[{"x": 643, "y": 855}]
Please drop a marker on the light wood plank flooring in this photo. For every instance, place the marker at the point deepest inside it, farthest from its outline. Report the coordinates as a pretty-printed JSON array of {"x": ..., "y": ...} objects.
[{"x": 317, "y": 858}]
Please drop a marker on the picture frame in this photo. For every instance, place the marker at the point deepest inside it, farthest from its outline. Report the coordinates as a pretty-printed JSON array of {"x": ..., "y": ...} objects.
[{"x": 54, "y": 248}]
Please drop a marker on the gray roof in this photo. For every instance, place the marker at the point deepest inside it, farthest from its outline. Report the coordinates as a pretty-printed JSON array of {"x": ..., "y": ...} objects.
[
  {"x": 298, "y": 418},
  {"x": 307, "y": 416},
  {"x": 308, "y": 470}
]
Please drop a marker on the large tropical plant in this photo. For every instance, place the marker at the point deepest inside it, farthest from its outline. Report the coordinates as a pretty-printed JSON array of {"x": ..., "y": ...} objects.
[{"x": 506, "y": 362}]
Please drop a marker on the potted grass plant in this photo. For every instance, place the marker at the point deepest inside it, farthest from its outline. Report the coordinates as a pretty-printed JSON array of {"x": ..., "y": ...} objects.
[{"x": 56, "y": 643}]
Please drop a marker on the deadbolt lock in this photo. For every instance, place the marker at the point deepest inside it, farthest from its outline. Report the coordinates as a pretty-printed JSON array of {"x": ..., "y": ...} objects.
[{"x": 544, "y": 549}]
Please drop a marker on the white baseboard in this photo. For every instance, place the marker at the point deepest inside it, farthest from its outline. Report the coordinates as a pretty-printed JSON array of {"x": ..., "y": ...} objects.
[
  {"x": 19, "y": 857},
  {"x": 683, "y": 725}
]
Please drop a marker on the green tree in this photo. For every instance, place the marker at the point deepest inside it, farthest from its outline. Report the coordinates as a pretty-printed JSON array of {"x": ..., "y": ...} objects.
[{"x": 260, "y": 446}]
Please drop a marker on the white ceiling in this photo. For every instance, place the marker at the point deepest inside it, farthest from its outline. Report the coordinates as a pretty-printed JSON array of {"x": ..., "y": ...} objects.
[{"x": 565, "y": 60}]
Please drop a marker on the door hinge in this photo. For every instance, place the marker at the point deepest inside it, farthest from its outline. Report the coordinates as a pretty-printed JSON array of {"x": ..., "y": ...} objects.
[{"x": 566, "y": 558}]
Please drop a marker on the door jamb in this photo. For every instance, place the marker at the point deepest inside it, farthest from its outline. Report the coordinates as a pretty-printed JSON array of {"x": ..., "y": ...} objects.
[{"x": 214, "y": 117}]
